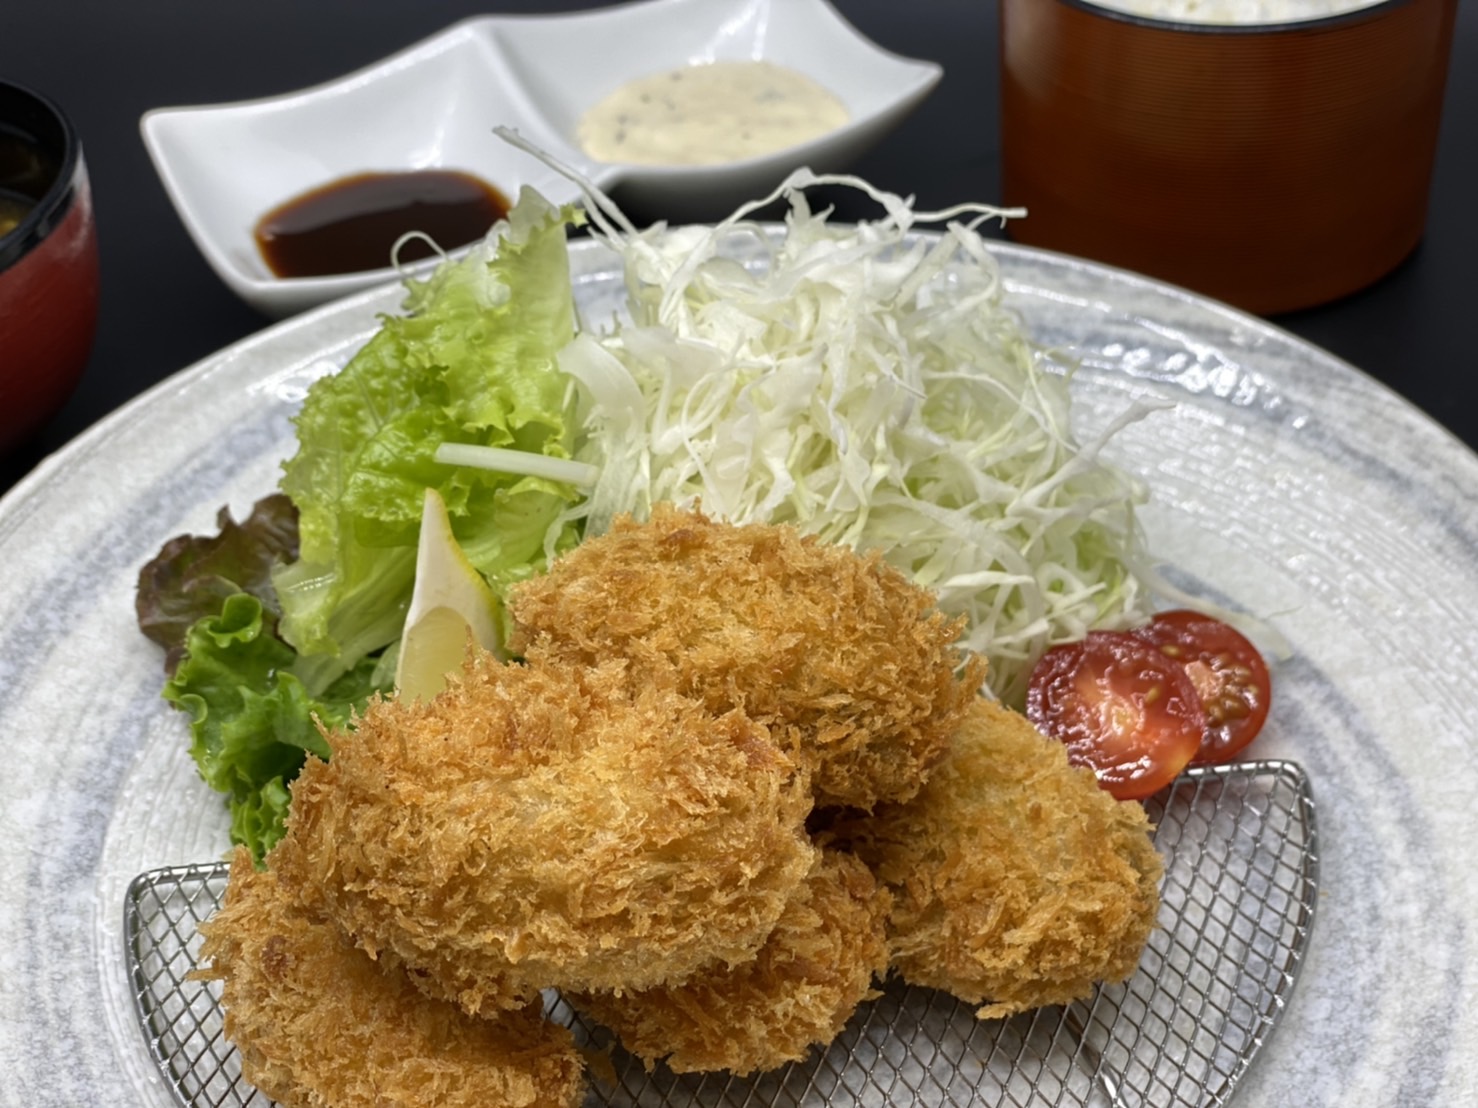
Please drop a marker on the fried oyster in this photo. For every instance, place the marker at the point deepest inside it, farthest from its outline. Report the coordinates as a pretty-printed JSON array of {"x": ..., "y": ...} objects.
[
  {"x": 549, "y": 826},
  {"x": 849, "y": 664},
  {"x": 1017, "y": 882},
  {"x": 816, "y": 967},
  {"x": 318, "y": 1023}
]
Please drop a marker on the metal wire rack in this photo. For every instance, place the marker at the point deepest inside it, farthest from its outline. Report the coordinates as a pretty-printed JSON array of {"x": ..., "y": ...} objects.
[{"x": 1241, "y": 875}]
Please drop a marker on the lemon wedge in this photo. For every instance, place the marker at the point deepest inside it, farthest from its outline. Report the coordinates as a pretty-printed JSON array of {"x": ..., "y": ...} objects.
[{"x": 450, "y": 601}]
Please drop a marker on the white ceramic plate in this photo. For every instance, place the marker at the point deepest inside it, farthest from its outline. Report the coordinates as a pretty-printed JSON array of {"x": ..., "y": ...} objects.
[
  {"x": 1285, "y": 483},
  {"x": 435, "y": 104}
]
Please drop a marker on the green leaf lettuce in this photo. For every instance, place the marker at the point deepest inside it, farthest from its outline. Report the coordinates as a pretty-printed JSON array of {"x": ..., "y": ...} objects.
[
  {"x": 473, "y": 361},
  {"x": 252, "y": 722}
]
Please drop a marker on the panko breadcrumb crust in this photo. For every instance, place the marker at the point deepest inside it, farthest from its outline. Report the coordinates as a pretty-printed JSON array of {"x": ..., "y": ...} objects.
[
  {"x": 809, "y": 977},
  {"x": 1017, "y": 881},
  {"x": 739, "y": 776},
  {"x": 318, "y": 1024},
  {"x": 549, "y": 826},
  {"x": 849, "y": 664}
]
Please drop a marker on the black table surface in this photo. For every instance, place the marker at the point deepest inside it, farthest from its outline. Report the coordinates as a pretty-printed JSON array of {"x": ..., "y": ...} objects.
[{"x": 163, "y": 309}]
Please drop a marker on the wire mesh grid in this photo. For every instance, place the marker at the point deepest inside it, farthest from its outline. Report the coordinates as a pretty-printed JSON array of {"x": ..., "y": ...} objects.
[{"x": 1241, "y": 874}]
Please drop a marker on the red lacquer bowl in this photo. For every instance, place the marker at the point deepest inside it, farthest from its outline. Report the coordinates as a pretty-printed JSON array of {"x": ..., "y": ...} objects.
[
  {"x": 1274, "y": 166},
  {"x": 48, "y": 263}
]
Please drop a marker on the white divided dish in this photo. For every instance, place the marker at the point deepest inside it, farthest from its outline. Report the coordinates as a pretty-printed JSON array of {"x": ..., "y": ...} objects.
[{"x": 435, "y": 105}]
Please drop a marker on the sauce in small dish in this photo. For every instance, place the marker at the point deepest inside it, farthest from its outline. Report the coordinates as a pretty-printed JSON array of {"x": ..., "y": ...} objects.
[
  {"x": 438, "y": 102},
  {"x": 352, "y": 224},
  {"x": 709, "y": 114}
]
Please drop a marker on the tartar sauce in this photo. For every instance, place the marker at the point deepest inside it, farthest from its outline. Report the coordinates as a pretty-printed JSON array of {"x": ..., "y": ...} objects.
[{"x": 709, "y": 114}]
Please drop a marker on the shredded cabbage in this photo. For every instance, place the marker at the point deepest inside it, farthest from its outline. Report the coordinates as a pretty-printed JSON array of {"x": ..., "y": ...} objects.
[{"x": 867, "y": 385}]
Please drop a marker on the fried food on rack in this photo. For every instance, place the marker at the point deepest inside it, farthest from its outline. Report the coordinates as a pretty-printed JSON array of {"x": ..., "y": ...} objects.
[
  {"x": 850, "y": 664},
  {"x": 318, "y": 1023},
  {"x": 809, "y": 977},
  {"x": 549, "y": 826},
  {"x": 1017, "y": 881}
]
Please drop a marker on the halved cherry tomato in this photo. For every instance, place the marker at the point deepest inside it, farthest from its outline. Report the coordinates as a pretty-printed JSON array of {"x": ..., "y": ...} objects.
[
  {"x": 1229, "y": 673},
  {"x": 1122, "y": 708}
]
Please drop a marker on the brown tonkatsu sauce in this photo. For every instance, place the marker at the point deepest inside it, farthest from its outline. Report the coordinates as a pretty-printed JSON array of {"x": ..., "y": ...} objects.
[{"x": 352, "y": 224}]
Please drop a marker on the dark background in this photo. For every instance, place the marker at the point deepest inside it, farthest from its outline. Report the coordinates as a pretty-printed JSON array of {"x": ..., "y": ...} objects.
[{"x": 163, "y": 309}]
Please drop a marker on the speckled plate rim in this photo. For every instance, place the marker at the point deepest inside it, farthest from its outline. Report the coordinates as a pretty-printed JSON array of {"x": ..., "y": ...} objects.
[{"x": 1285, "y": 482}]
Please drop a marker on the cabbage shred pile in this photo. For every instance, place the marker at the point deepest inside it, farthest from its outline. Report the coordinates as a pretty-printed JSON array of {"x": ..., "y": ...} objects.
[{"x": 867, "y": 385}]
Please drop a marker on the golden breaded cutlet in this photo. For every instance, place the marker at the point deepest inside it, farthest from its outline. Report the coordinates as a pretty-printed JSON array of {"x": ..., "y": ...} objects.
[
  {"x": 318, "y": 1024},
  {"x": 848, "y": 663},
  {"x": 1017, "y": 881},
  {"x": 549, "y": 826},
  {"x": 809, "y": 977}
]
